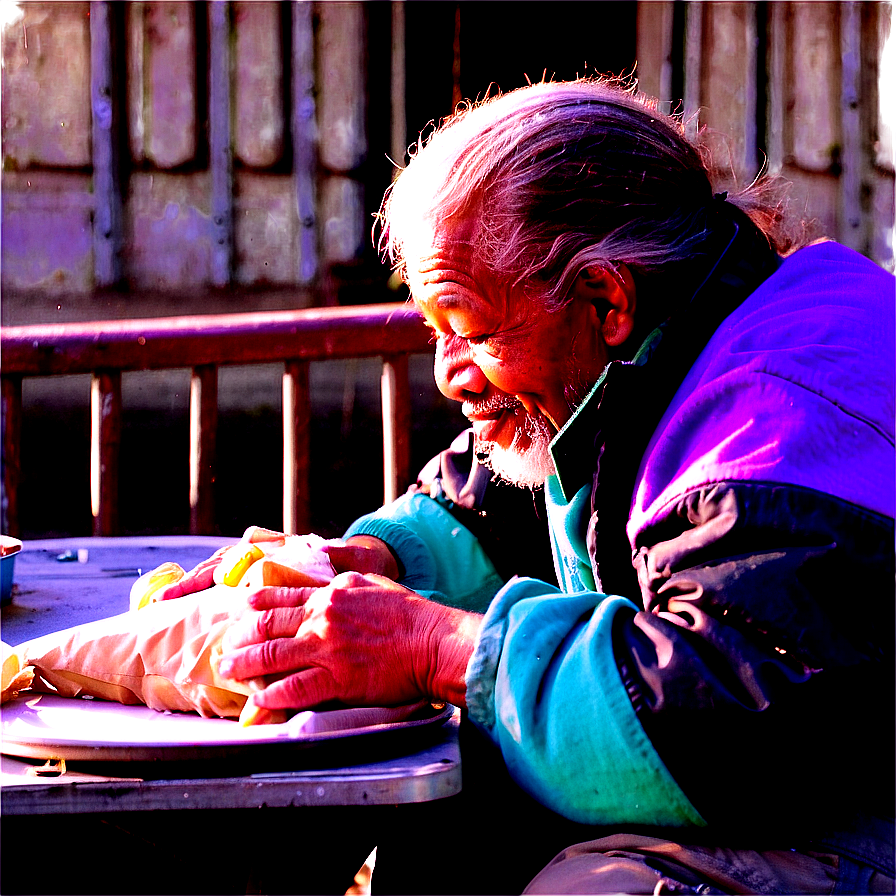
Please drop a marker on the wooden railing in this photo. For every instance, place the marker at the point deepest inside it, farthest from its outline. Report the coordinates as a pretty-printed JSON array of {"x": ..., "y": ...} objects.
[{"x": 203, "y": 343}]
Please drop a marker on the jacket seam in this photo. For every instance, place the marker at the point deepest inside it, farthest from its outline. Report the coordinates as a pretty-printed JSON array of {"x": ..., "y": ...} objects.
[
  {"x": 870, "y": 423},
  {"x": 662, "y": 511}
]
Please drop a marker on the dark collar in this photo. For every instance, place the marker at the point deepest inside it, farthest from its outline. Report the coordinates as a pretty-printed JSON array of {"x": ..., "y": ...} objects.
[{"x": 665, "y": 356}]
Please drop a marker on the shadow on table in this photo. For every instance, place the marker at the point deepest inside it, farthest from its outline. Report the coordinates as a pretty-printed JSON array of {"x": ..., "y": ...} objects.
[{"x": 489, "y": 839}]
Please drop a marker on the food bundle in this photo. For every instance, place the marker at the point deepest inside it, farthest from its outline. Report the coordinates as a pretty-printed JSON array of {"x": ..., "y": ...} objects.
[
  {"x": 165, "y": 653},
  {"x": 261, "y": 557}
]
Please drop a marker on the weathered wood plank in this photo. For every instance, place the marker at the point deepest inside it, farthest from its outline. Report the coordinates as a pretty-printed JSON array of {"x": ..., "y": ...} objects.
[
  {"x": 342, "y": 145},
  {"x": 220, "y": 149},
  {"x": 853, "y": 224},
  {"x": 777, "y": 121},
  {"x": 258, "y": 84},
  {"x": 170, "y": 69},
  {"x": 728, "y": 86},
  {"x": 399, "y": 132},
  {"x": 304, "y": 139},
  {"x": 693, "y": 67},
  {"x": 654, "y": 50},
  {"x": 107, "y": 214},
  {"x": 815, "y": 54},
  {"x": 46, "y": 87}
]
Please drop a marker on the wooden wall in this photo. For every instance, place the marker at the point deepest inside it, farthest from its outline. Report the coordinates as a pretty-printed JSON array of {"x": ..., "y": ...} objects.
[
  {"x": 175, "y": 155},
  {"x": 797, "y": 88},
  {"x": 178, "y": 148},
  {"x": 163, "y": 158}
]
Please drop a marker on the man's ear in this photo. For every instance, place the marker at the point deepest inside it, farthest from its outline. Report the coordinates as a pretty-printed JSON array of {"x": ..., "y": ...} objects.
[{"x": 611, "y": 292}]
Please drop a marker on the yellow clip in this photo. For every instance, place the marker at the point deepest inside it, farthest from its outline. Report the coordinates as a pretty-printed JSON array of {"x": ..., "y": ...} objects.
[{"x": 233, "y": 575}]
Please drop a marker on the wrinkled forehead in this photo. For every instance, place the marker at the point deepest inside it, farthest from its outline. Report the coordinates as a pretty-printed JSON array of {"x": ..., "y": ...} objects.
[
  {"x": 441, "y": 253},
  {"x": 445, "y": 270},
  {"x": 431, "y": 236}
]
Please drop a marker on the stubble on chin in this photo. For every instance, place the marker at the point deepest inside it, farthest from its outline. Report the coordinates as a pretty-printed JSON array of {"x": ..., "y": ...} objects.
[{"x": 527, "y": 461}]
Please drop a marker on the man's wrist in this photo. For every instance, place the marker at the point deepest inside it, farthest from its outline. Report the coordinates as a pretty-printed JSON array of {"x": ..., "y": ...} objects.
[
  {"x": 367, "y": 554},
  {"x": 453, "y": 636}
]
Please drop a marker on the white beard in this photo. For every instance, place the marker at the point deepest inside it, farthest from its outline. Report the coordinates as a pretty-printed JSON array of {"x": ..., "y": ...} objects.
[{"x": 527, "y": 461}]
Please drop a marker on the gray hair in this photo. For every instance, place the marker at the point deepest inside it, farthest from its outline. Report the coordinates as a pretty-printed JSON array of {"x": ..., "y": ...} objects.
[{"x": 562, "y": 176}]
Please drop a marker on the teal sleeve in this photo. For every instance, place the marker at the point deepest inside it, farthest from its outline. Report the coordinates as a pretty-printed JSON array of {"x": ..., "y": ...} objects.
[
  {"x": 441, "y": 558},
  {"x": 543, "y": 682}
]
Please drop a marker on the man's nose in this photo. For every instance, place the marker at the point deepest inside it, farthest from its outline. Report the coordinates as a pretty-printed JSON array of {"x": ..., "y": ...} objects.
[{"x": 457, "y": 375}]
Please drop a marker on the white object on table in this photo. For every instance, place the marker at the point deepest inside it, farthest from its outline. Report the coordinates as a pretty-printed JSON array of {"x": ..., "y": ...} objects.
[{"x": 52, "y": 595}]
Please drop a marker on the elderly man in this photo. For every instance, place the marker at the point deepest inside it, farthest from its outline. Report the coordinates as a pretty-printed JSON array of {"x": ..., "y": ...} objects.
[{"x": 710, "y": 415}]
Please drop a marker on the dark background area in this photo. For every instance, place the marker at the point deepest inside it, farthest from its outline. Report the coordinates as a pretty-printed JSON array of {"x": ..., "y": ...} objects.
[
  {"x": 346, "y": 449},
  {"x": 503, "y": 45},
  {"x": 454, "y": 52}
]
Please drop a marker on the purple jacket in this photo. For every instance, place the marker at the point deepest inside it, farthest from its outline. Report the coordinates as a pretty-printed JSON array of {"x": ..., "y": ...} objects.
[
  {"x": 738, "y": 492},
  {"x": 762, "y": 534},
  {"x": 795, "y": 387},
  {"x": 720, "y": 649}
]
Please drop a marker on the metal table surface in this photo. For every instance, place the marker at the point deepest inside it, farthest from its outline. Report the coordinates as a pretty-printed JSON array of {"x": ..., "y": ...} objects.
[{"x": 51, "y": 594}]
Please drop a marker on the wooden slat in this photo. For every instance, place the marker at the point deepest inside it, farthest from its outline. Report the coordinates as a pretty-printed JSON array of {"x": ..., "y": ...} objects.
[
  {"x": 203, "y": 440},
  {"x": 814, "y": 109},
  {"x": 399, "y": 134},
  {"x": 852, "y": 156},
  {"x": 296, "y": 447},
  {"x": 105, "y": 441},
  {"x": 10, "y": 522},
  {"x": 728, "y": 96},
  {"x": 107, "y": 215},
  {"x": 396, "y": 398},
  {"x": 258, "y": 83},
  {"x": 693, "y": 66},
  {"x": 304, "y": 138},
  {"x": 106, "y": 348},
  {"x": 172, "y": 84},
  {"x": 342, "y": 145},
  {"x": 311, "y": 334},
  {"x": 220, "y": 145},
  {"x": 776, "y": 118},
  {"x": 654, "y": 46}
]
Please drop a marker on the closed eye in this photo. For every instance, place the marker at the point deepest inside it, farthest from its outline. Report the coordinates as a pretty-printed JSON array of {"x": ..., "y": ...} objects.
[{"x": 490, "y": 344}]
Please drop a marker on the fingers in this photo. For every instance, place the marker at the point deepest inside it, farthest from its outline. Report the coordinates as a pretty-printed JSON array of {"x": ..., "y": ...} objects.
[
  {"x": 258, "y": 535},
  {"x": 303, "y": 690},
  {"x": 186, "y": 585},
  {"x": 197, "y": 579},
  {"x": 267, "y": 625},
  {"x": 273, "y": 597},
  {"x": 268, "y": 657}
]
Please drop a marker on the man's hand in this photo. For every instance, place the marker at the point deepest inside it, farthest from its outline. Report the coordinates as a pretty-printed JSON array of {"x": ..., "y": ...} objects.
[
  {"x": 197, "y": 579},
  {"x": 362, "y": 639},
  {"x": 361, "y": 553},
  {"x": 202, "y": 575}
]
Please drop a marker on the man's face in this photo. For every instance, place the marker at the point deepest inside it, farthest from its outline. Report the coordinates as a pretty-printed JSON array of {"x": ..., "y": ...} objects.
[{"x": 518, "y": 370}]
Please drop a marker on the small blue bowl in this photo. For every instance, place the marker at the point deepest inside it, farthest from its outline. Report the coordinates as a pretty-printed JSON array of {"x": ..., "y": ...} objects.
[{"x": 9, "y": 547}]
